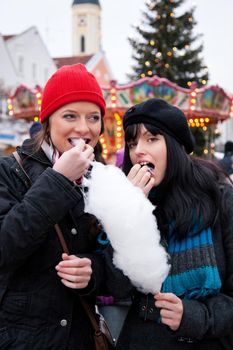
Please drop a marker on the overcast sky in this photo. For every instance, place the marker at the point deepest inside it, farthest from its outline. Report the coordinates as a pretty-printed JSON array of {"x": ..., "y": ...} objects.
[{"x": 53, "y": 20}]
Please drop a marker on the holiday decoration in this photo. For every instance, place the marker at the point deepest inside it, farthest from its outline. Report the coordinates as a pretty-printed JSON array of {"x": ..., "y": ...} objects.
[
  {"x": 25, "y": 102},
  {"x": 166, "y": 46},
  {"x": 204, "y": 107}
]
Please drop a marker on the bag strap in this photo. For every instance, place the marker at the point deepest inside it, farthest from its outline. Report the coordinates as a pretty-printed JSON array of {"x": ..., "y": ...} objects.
[
  {"x": 61, "y": 238},
  {"x": 20, "y": 162},
  {"x": 83, "y": 301}
]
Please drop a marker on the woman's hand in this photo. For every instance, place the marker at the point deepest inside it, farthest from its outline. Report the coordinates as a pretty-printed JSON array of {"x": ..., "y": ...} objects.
[
  {"x": 141, "y": 177},
  {"x": 74, "y": 163},
  {"x": 75, "y": 272},
  {"x": 171, "y": 309}
]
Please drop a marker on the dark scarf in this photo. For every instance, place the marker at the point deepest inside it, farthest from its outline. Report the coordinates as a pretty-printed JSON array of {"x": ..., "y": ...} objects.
[{"x": 194, "y": 273}]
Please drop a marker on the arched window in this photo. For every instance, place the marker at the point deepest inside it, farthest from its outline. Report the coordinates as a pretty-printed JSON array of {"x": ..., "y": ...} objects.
[{"x": 82, "y": 44}]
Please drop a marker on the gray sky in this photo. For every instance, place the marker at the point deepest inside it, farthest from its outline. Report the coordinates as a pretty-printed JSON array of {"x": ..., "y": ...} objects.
[{"x": 53, "y": 20}]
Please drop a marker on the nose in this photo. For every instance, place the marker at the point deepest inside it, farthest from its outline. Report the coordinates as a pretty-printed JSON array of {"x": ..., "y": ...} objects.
[
  {"x": 139, "y": 149},
  {"x": 81, "y": 126}
]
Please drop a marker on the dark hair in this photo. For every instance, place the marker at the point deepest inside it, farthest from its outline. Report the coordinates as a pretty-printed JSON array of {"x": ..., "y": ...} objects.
[
  {"x": 98, "y": 153},
  {"x": 189, "y": 191}
]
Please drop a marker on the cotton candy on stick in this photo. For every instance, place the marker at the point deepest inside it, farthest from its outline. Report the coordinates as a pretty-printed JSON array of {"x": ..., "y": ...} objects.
[{"x": 127, "y": 217}]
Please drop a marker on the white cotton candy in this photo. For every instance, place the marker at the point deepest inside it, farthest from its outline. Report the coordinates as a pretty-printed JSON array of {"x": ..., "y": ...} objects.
[{"x": 127, "y": 218}]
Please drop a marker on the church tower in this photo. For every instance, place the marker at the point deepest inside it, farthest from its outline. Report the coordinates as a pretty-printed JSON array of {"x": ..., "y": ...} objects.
[{"x": 86, "y": 27}]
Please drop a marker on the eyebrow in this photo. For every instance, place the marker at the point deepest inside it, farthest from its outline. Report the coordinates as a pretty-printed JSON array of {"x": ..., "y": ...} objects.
[
  {"x": 74, "y": 111},
  {"x": 69, "y": 111}
]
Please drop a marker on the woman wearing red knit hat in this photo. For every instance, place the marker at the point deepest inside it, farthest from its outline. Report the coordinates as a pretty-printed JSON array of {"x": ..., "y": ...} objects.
[{"x": 39, "y": 284}]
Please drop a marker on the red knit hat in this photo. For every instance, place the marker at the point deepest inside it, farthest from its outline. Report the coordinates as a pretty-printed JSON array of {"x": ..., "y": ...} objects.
[{"x": 70, "y": 84}]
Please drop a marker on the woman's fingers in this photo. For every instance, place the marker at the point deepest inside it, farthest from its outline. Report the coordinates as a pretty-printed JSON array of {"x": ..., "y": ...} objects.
[
  {"x": 171, "y": 309},
  {"x": 141, "y": 177},
  {"x": 88, "y": 151},
  {"x": 133, "y": 171},
  {"x": 150, "y": 184},
  {"x": 73, "y": 260},
  {"x": 74, "y": 285},
  {"x": 74, "y": 162},
  {"x": 74, "y": 281},
  {"x": 74, "y": 272}
]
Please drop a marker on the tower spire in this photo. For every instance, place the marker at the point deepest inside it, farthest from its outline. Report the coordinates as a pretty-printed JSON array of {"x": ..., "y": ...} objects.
[{"x": 86, "y": 27}]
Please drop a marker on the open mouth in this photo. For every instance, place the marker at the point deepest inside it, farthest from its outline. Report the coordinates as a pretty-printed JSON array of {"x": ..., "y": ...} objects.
[
  {"x": 149, "y": 165},
  {"x": 73, "y": 140}
]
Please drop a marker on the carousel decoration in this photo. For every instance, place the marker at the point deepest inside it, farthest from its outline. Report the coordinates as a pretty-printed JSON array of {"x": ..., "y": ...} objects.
[
  {"x": 204, "y": 107},
  {"x": 25, "y": 103}
]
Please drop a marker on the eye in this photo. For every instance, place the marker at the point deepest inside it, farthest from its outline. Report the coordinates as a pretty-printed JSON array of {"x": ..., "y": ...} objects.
[
  {"x": 69, "y": 116},
  {"x": 152, "y": 139},
  {"x": 94, "y": 118},
  {"x": 132, "y": 144}
]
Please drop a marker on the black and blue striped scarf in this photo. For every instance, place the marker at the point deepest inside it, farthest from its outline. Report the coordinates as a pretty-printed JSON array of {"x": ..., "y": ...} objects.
[{"x": 194, "y": 273}]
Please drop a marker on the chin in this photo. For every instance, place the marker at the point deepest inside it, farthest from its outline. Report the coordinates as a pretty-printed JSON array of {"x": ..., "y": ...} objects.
[{"x": 157, "y": 182}]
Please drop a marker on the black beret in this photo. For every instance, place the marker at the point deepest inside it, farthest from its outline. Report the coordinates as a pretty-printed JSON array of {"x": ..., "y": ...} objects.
[{"x": 163, "y": 116}]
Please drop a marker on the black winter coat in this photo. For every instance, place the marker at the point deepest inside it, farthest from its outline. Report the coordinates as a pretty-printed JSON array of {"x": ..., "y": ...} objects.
[
  {"x": 37, "y": 311},
  {"x": 206, "y": 324}
]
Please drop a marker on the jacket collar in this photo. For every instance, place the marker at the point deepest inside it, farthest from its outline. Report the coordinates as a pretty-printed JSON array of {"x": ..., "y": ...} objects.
[{"x": 28, "y": 150}]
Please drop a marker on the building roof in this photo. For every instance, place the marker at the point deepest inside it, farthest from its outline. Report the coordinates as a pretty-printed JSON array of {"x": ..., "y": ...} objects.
[
  {"x": 78, "y": 2},
  {"x": 7, "y": 37},
  {"x": 67, "y": 61}
]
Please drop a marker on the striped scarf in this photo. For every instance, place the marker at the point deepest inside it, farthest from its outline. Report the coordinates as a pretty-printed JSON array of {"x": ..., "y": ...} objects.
[{"x": 194, "y": 273}]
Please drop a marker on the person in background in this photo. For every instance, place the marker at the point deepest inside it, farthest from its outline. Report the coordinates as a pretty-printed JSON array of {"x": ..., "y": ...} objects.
[
  {"x": 226, "y": 163},
  {"x": 40, "y": 285},
  {"x": 119, "y": 157},
  {"x": 194, "y": 211},
  {"x": 34, "y": 129}
]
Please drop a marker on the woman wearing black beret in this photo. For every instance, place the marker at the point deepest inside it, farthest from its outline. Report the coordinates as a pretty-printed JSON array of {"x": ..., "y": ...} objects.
[{"x": 194, "y": 211}]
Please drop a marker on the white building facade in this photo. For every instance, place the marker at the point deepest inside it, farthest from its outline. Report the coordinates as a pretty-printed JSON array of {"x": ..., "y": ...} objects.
[
  {"x": 30, "y": 57},
  {"x": 8, "y": 73}
]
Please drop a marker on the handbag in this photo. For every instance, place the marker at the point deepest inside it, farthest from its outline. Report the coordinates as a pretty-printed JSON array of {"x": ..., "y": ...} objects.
[{"x": 102, "y": 336}]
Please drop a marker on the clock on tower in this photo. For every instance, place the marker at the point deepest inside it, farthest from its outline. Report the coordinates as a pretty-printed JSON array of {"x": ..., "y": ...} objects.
[{"x": 82, "y": 21}]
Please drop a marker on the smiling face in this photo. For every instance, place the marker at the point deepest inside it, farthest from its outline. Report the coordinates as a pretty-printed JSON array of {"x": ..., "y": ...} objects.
[
  {"x": 74, "y": 121},
  {"x": 151, "y": 150}
]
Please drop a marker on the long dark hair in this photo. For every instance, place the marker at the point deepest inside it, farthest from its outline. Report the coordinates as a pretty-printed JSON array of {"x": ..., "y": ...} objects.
[{"x": 189, "y": 195}]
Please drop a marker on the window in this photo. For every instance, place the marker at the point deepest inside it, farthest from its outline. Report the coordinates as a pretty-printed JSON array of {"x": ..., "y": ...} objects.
[{"x": 82, "y": 44}]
